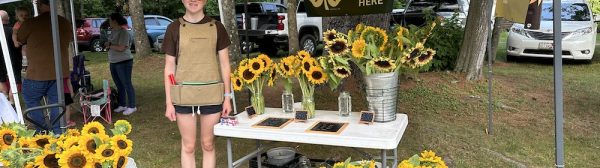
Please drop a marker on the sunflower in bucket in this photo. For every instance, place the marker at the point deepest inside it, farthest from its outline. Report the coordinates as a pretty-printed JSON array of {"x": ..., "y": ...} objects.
[{"x": 254, "y": 73}]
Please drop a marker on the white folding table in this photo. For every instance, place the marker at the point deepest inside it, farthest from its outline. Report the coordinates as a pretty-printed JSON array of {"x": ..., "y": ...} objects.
[{"x": 382, "y": 136}]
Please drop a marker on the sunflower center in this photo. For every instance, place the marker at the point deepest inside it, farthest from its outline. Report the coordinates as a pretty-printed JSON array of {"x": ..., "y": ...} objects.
[
  {"x": 255, "y": 66},
  {"x": 317, "y": 75},
  {"x": 383, "y": 64},
  {"x": 338, "y": 46},
  {"x": 122, "y": 144},
  {"x": 306, "y": 66},
  {"x": 91, "y": 146},
  {"x": 97, "y": 165},
  {"x": 108, "y": 152},
  {"x": 42, "y": 142},
  {"x": 77, "y": 160},
  {"x": 94, "y": 131},
  {"x": 238, "y": 82},
  {"x": 342, "y": 71},
  {"x": 8, "y": 139},
  {"x": 331, "y": 36},
  {"x": 121, "y": 162},
  {"x": 247, "y": 75},
  {"x": 51, "y": 161},
  {"x": 286, "y": 67},
  {"x": 414, "y": 53}
]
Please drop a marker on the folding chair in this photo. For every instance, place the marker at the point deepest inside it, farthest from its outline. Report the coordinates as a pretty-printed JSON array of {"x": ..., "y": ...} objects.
[{"x": 93, "y": 105}]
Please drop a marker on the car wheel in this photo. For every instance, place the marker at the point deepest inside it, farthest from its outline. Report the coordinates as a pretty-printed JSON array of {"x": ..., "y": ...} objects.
[
  {"x": 96, "y": 46},
  {"x": 511, "y": 58},
  {"x": 244, "y": 46},
  {"x": 308, "y": 43}
]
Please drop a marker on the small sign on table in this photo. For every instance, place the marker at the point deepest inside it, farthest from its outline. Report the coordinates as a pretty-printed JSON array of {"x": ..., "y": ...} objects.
[
  {"x": 301, "y": 116},
  {"x": 273, "y": 122},
  {"x": 366, "y": 117},
  {"x": 250, "y": 111},
  {"x": 324, "y": 127}
]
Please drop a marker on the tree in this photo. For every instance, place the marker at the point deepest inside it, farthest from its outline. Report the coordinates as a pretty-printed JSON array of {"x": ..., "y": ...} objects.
[
  {"x": 231, "y": 26},
  {"x": 472, "y": 51},
  {"x": 142, "y": 44},
  {"x": 293, "y": 41}
]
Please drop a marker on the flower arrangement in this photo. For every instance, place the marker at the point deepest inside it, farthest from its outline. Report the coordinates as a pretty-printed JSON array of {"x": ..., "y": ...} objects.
[
  {"x": 254, "y": 74},
  {"x": 427, "y": 159},
  {"x": 376, "y": 51},
  {"x": 309, "y": 73},
  {"x": 90, "y": 147},
  {"x": 359, "y": 164}
]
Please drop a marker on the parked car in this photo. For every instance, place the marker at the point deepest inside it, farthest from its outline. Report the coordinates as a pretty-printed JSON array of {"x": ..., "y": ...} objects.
[
  {"x": 578, "y": 34},
  {"x": 416, "y": 11},
  {"x": 88, "y": 34},
  {"x": 156, "y": 25}
]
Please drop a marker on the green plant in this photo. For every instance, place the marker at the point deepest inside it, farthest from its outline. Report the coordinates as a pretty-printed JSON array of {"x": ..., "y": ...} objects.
[{"x": 445, "y": 39}]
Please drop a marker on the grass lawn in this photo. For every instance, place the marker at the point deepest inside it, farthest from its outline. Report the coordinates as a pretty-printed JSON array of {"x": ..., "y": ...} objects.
[{"x": 446, "y": 114}]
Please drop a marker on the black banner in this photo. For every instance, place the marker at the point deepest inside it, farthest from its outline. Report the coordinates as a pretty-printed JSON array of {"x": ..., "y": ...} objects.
[
  {"x": 534, "y": 14},
  {"x": 347, "y": 7}
]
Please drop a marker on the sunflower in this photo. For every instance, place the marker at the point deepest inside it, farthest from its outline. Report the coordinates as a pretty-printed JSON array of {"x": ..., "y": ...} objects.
[
  {"x": 124, "y": 126},
  {"x": 316, "y": 75},
  {"x": 106, "y": 152},
  {"x": 256, "y": 66},
  {"x": 75, "y": 158},
  {"x": 308, "y": 63},
  {"x": 29, "y": 165},
  {"x": 425, "y": 57},
  {"x": 412, "y": 53},
  {"x": 8, "y": 137},
  {"x": 26, "y": 143},
  {"x": 88, "y": 143},
  {"x": 93, "y": 128},
  {"x": 358, "y": 48},
  {"x": 43, "y": 140},
  {"x": 303, "y": 54},
  {"x": 341, "y": 71},
  {"x": 266, "y": 60},
  {"x": 338, "y": 46},
  {"x": 69, "y": 143},
  {"x": 288, "y": 66},
  {"x": 243, "y": 64},
  {"x": 48, "y": 159},
  {"x": 383, "y": 64},
  {"x": 272, "y": 76},
  {"x": 237, "y": 83},
  {"x": 401, "y": 33},
  {"x": 359, "y": 27},
  {"x": 120, "y": 162},
  {"x": 376, "y": 36},
  {"x": 329, "y": 36},
  {"x": 122, "y": 144},
  {"x": 247, "y": 75}
]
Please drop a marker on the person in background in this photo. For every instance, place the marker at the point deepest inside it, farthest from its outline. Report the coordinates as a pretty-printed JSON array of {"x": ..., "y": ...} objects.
[
  {"x": 22, "y": 14},
  {"x": 15, "y": 54},
  {"x": 121, "y": 63},
  {"x": 41, "y": 76}
]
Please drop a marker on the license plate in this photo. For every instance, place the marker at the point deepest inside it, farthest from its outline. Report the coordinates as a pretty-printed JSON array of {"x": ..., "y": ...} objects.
[{"x": 547, "y": 46}]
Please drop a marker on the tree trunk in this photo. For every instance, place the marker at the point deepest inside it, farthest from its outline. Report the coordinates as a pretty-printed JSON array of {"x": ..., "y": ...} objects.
[
  {"x": 231, "y": 26},
  {"x": 293, "y": 41},
  {"x": 496, "y": 37},
  {"x": 142, "y": 44},
  {"x": 472, "y": 51}
]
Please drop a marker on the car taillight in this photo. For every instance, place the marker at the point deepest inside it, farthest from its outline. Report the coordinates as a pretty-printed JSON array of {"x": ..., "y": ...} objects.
[{"x": 280, "y": 25}]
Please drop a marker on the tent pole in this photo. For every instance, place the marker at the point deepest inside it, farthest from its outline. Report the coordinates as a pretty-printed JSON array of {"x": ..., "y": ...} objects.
[
  {"x": 489, "y": 53},
  {"x": 558, "y": 84},
  {"x": 75, "y": 46},
  {"x": 11, "y": 75},
  {"x": 35, "y": 10},
  {"x": 57, "y": 60}
]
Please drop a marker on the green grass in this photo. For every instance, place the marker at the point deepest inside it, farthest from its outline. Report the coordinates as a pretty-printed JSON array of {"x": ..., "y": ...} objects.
[{"x": 446, "y": 114}]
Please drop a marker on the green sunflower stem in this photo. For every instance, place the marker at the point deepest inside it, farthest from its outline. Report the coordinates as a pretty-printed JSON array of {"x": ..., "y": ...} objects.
[{"x": 308, "y": 102}]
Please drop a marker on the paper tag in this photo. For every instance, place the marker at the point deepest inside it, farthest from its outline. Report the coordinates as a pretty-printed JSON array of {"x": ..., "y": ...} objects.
[{"x": 95, "y": 110}]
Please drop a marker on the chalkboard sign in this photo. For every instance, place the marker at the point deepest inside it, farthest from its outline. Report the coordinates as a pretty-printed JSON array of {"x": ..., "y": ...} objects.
[
  {"x": 327, "y": 127},
  {"x": 301, "y": 116},
  {"x": 366, "y": 117},
  {"x": 250, "y": 111},
  {"x": 272, "y": 122}
]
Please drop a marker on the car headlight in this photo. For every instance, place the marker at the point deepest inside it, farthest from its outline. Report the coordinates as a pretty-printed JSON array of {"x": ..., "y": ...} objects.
[
  {"x": 582, "y": 32},
  {"x": 520, "y": 31}
]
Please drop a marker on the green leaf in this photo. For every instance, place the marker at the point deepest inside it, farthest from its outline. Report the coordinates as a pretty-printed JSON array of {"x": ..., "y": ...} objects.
[
  {"x": 341, "y": 60},
  {"x": 414, "y": 160}
]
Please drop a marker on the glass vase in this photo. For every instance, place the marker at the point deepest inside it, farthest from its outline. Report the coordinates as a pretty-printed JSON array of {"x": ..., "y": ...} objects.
[
  {"x": 344, "y": 104},
  {"x": 287, "y": 102},
  {"x": 308, "y": 104},
  {"x": 258, "y": 102}
]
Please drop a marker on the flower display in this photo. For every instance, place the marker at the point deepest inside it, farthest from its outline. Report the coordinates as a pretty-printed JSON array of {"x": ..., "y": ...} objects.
[
  {"x": 254, "y": 74},
  {"x": 426, "y": 159},
  {"x": 359, "y": 164},
  {"x": 90, "y": 147}
]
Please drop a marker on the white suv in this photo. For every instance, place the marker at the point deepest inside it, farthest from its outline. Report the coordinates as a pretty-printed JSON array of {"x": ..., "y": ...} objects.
[{"x": 578, "y": 33}]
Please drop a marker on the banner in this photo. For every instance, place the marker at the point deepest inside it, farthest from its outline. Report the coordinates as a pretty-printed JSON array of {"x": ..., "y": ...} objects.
[
  {"x": 534, "y": 15},
  {"x": 513, "y": 10},
  {"x": 347, "y": 7}
]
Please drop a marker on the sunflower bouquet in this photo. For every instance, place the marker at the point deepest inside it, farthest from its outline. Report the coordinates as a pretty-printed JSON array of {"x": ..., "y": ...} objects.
[
  {"x": 427, "y": 159},
  {"x": 90, "y": 147},
  {"x": 359, "y": 164},
  {"x": 254, "y": 74},
  {"x": 376, "y": 51},
  {"x": 337, "y": 62}
]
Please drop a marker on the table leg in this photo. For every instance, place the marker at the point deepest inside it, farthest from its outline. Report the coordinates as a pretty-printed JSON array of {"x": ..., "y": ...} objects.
[
  {"x": 383, "y": 158},
  {"x": 395, "y": 164},
  {"x": 258, "y": 161},
  {"x": 229, "y": 153}
]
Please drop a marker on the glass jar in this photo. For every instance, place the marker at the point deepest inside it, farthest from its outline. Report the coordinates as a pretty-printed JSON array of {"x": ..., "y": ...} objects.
[
  {"x": 344, "y": 104},
  {"x": 287, "y": 102}
]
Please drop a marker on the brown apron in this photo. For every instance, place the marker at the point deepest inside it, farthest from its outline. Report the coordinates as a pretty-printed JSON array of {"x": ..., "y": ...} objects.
[{"x": 197, "y": 71}]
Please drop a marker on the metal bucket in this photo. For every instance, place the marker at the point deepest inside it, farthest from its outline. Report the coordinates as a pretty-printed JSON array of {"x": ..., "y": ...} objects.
[{"x": 382, "y": 95}]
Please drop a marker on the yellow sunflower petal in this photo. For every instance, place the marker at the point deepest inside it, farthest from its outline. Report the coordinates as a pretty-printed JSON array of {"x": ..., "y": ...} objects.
[
  {"x": 316, "y": 75},
  {"x": 93, "y": 127},
  {"x": 75, "y": 158},
  {"x": 358, "y": 48}
]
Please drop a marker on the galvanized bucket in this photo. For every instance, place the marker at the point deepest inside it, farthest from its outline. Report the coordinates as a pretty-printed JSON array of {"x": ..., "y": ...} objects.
[{"x": 382, "y": 95}]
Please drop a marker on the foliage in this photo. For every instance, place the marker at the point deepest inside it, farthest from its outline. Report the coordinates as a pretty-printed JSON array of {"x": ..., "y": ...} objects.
[
  {"x": 359, "y": 164},
  {"x": 427, "y": 159},
  {"x": 595, "y": 6},
  {"x": 445, "y": 39}
]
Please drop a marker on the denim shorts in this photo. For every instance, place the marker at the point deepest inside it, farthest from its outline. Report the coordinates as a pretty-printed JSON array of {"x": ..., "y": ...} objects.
[{"x": 204, "y": 110}]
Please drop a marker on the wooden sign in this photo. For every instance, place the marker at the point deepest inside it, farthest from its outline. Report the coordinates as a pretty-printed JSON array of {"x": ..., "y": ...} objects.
[
  {"x": 366, "y": 117},
  {"x": 301, "y": 116},
  {"x": 347, "y": 7},
  {"x": 273, "y": 122},
  {"x": 327, "y": 127},
  {"x": 250, "y": 111}
]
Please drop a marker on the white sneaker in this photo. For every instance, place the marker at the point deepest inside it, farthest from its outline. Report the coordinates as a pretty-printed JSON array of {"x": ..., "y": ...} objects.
[
  {"x": 129, "y": 111},
  {"x": 120, "y": 109}
]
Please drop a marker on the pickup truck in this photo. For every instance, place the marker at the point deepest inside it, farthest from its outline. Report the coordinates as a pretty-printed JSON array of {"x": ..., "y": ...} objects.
[{"x": 268, "y": 27}]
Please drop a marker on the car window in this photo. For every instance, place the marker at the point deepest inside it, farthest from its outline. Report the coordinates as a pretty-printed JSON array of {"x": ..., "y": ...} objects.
[
  {"x": 281, "y": 9},
  {"x": 252, "y": 8},
  {"x": 150, "y": 22},
  {"x": 270, "y": 8},
  {"x": 163, "y": 22},
  {"x": 301, "y": 8},
  {"x": 570, "y": 12},
  {"x": 98, "y": 23}
]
